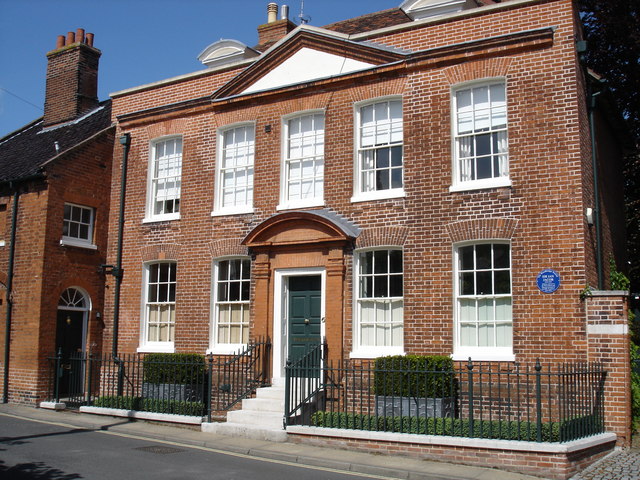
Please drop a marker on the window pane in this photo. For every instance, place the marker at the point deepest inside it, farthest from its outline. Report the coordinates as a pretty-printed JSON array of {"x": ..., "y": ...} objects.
[
  {"x": 503, "y": 282},
  {"x": 467, "y": 284},
  {"x": 501, "y": 255},
  {"x": 465, "y": 255},
  {"x": 380, "y": 261},
  {"x": 483, "y": 256},
  {"x": 484, "y": 283}
]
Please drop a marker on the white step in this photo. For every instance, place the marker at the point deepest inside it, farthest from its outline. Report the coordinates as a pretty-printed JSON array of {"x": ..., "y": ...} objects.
[
  {"x": 260, "y": 417},
  {"x": 247, "y": 431},
  {"x": 257, "y": 418},
  {"x": 264, "y": 404}
]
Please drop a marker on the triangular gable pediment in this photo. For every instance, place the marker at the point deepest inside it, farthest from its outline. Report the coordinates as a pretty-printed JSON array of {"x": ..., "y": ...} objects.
[{"x": 307, "y": 55}]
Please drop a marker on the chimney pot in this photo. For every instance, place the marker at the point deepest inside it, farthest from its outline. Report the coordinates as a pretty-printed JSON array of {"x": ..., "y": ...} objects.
[
  {"x": 284, "y": 12},
  {"x": 60, "y": 42},
  {"x": 71, "y": 38},
  {"x": 80, "y": 35},
  {"x": 272, "y": 12},
  {"x": 90, "y": 39}
]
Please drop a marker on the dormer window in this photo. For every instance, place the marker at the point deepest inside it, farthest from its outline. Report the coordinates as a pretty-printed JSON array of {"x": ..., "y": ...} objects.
[{"x": 225, "y": 52}]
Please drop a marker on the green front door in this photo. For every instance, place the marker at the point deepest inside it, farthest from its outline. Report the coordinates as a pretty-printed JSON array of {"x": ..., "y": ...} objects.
[{"x": 305, "y": 311}]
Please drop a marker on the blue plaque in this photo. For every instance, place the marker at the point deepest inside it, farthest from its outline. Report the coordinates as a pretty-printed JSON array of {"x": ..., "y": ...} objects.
[{"x": 548, "y": 281}]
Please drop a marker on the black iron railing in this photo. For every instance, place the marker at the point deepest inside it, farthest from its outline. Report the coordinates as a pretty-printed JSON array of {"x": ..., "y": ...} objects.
[
  {"x": 477, "y": 400},
  {"x": 304, "y": 386},
  {"x": 185, "y": 384}
]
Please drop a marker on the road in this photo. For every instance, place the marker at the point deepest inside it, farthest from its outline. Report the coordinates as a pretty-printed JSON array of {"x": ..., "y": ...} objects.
[{"x": 39, "y": 450}]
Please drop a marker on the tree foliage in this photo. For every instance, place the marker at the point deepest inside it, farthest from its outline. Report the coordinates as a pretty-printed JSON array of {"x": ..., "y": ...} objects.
[{"x": 612, "y": 30}]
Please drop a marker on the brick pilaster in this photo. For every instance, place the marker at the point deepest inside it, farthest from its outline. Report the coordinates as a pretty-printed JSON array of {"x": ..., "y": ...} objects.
[{"x": 608, "y": 342}]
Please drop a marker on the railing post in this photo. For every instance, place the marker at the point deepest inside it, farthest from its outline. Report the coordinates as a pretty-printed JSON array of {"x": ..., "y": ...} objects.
[
  {"x": 209, "y": 387},
  {"x": 58, "y": 371},
  {"x": 470, "y": 382},
  {"x": 538, "y": 367},
  {"x": 287, "y": 393},
  {"x": 120, "y": 376},
  {"x": 89, "y": 377}
]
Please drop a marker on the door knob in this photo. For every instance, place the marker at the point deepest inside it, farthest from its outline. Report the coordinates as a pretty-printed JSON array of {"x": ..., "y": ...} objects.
[{"x": 306, "y": 321}]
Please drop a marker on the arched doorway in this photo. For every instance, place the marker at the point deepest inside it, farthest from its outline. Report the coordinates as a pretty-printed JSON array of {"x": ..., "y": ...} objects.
[{"x": 71, "y": 333}]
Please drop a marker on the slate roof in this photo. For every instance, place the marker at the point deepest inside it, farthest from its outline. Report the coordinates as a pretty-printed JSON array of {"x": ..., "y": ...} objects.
[
  {"x": 370, "y": 22},
  {"x": 24, "y": 152}
]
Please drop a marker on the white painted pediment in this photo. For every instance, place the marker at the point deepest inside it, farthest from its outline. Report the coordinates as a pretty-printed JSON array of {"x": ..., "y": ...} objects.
[
  {"x": 307, "y": 65},
  {"x": 418, "y": 9},
  {"x": 225, "y": 51}
]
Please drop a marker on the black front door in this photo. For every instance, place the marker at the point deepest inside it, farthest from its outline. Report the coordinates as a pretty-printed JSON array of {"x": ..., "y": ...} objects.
[
  {"x": 69, "y": 330},
  {"x": 305, "y": 310}
]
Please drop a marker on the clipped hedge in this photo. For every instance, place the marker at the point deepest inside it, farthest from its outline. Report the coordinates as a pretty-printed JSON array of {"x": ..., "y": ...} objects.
[
  {"x": 140, "y": 404},
  {"x": 423, "y": 376},
  {"x": 122, "y": 403},
  {"x": 176, "y": 368},
  {"x": 490, "y": 429}
]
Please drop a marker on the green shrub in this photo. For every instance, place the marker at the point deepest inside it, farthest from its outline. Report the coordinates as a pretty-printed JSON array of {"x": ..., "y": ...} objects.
[
  {"x": 173, "y": 407},
  {"x": 490, "y": 429},
  {"x": 113, "y": 401},
  {"x": 635, "y": 388},
  {"x": 423, "y": 376},
  {"x": 176, "y": 368}
]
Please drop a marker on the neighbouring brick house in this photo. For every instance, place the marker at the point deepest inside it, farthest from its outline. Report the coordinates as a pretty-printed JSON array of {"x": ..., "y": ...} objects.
[
  {"x": 394, "y": 183},
  {"x": 54, "y": 205}
]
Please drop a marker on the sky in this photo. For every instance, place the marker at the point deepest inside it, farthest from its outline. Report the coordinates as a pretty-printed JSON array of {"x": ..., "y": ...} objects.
[{"x": 142, "y": 41}]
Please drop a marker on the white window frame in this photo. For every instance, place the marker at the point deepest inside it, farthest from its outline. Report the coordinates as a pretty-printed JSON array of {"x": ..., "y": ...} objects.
[
  {"x": 216, "y": 346},
  {"x": 370, "y": 351},
  {"x": 317, "y": 158},
  {"x": 152, "y": 181},
  {"x": 247, "y": 207},
  {"x": 503, "y": 180},
  {"x": 359, "y": 195},
  {"x": 145, "y": 344},
  {"x": 76, "y": 241},
  {"x": 486, "y": 353}
]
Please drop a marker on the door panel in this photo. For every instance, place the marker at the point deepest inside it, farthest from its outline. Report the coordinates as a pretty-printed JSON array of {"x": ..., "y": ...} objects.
[
  {"x": 305, "y": 311},
  {"x": 69, "y": 330}
]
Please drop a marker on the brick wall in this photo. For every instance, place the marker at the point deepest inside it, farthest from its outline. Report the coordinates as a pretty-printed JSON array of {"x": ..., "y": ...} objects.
[
  {"x": 608, "y": 342},
  {"x": 43, "y": 268}
]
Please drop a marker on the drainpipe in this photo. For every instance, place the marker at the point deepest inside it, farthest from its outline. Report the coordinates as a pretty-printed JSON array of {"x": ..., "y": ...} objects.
[
  {"x": 596, "y": 190},
  {"x": 7, "y": 333},
  {"x": 125, "y": 141}
]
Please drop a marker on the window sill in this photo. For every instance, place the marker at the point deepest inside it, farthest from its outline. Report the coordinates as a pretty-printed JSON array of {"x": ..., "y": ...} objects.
[
  {"x": 161, "y": 218},
  {"x": 493, "y": 355},
  {"x": 300, "y": 204},
  {"x": 232, "y": 211},
  {"x": 376, "y": 352},
  {"x": 168, "y": 348},
  {"x": 481, "y": 184},
  {"x": 378, "y": 195},
  {"x": 2, "y": 243},
  {"x": 68, "y": 242},
  {"x": 225, "y": 349}
]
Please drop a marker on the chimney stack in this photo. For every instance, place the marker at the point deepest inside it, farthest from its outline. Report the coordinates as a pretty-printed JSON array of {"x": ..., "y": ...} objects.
[
  {"x": 274, "y": 29},
  {"x": 72, "y": 78}
]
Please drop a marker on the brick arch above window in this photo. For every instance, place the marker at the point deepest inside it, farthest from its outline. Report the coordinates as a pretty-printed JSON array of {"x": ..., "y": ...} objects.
[
  {"x": 177, "y": 126},
  {"x": 467, "y": 72},
  {"x": 376, "y": 236},
  {"x": 152, "y": 253},
  {"x": 387, "y": 88},
  {"x": 221, "y": 118},
  {"x": 481, "y": 229},
  {"x": 228, "y": 247},
  {"x": 301, "y": 104}
]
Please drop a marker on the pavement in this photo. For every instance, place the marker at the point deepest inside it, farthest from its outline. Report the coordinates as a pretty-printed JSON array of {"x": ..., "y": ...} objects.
[{"x": 624, "y": 464}]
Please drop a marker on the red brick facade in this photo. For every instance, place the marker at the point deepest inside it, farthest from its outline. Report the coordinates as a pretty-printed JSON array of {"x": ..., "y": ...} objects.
[
  {"x": 50, "y": 167},
  {"x": 530, "y": 45}
]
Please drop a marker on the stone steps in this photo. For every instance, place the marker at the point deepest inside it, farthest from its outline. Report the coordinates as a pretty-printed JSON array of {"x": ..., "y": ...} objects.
[{"x": 260, "y": 418}]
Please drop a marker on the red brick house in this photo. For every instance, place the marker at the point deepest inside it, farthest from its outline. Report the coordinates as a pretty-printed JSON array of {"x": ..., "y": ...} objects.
[
  {"x": 418, "y": 180},
  {"x": 54, "y": 189}
]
